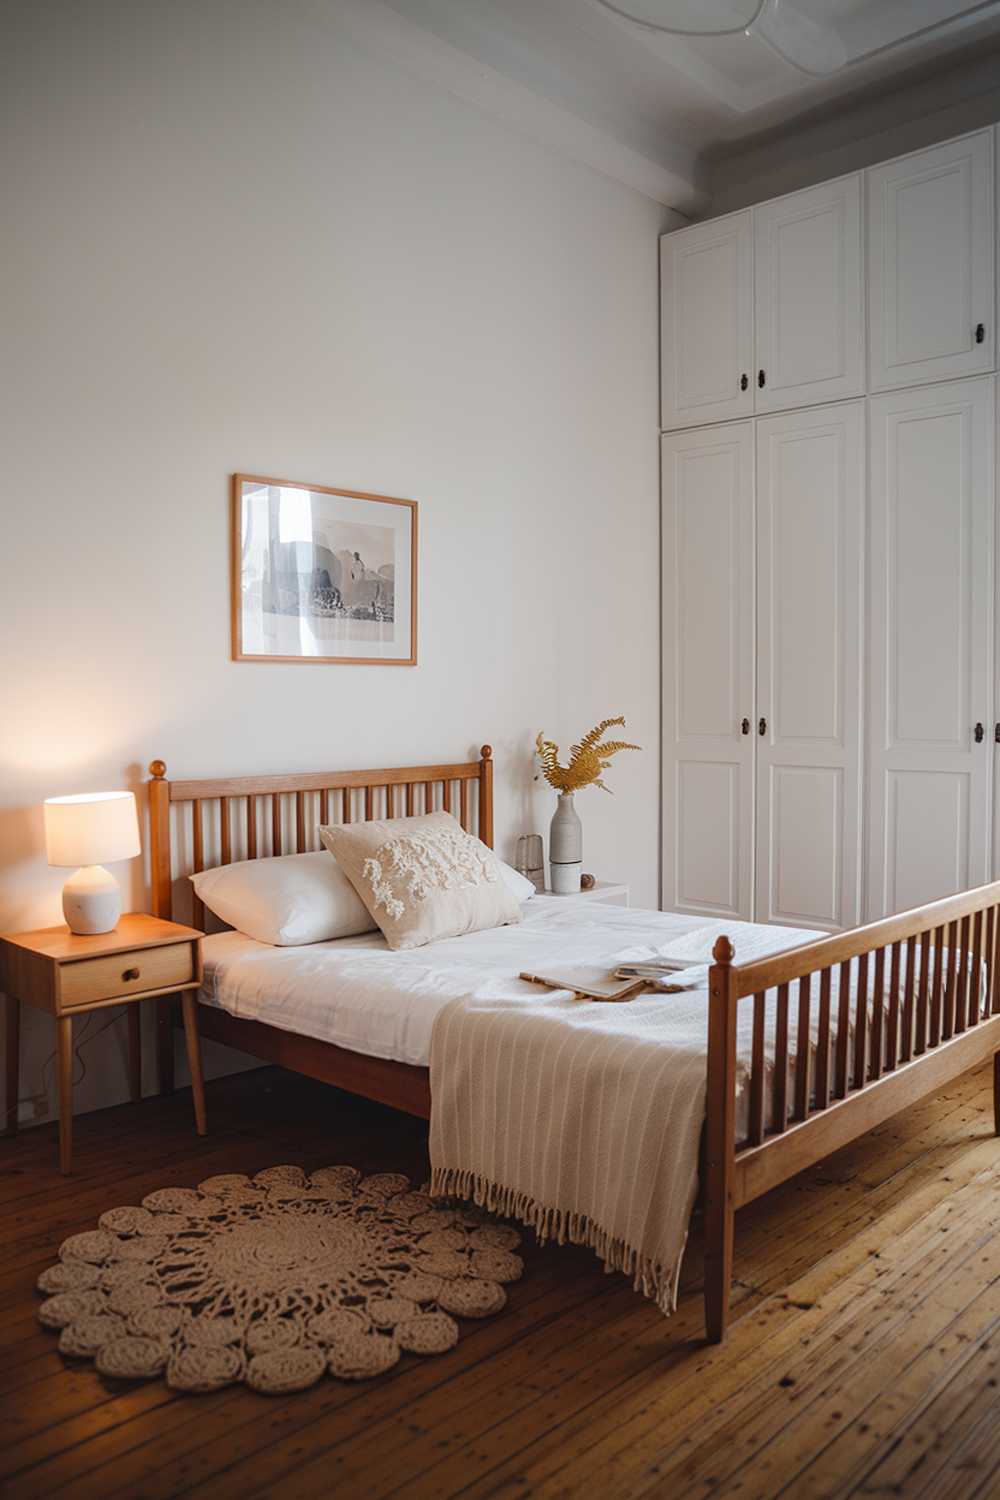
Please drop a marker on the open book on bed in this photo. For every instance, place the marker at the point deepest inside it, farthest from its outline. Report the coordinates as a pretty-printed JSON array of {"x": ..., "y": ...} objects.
[{"x": 621, "y": 981}]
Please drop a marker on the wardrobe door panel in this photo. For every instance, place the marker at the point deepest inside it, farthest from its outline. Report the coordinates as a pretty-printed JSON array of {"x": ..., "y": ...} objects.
[
  {"x": 706, "y": 335},
  {"x": 810, "y": 526},
  {"x": 930, "y": 264},
  {"x": 708, "y": 671},
  {"x": 995, "y": 747},
  {"x": 808, "y": 302},
  {"x": 929, "y": 836},
  {"x": 931, "y": 612}
]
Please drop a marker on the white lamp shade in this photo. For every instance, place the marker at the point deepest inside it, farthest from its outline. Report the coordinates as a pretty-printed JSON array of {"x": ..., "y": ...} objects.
[{"x": 94, "y": 828}]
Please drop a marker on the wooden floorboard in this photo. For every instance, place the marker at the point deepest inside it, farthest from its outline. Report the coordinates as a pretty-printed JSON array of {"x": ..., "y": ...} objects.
[{"x": 864, "y": 1357}]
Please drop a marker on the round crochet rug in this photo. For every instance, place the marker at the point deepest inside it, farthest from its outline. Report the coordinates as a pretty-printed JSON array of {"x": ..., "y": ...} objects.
[{"x": 275, "y": 1280}]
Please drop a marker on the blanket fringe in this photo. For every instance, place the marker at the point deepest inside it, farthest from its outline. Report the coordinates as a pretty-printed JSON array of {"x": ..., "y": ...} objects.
[{"x": 653, "y": 1280}]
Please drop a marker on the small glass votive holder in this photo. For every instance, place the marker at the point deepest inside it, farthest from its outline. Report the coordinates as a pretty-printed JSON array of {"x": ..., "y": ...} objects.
[{"x": 529, "y": 859}]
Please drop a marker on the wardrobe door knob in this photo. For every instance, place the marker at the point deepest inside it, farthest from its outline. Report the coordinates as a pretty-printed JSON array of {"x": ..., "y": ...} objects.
[
  {"x": 760, "y": 378},
  {"x": 745, "y": 726},
  {"x": 744, "y": 382},
  {"x": 979, "y": 732},
  {"x": 980, "y": 332},
  {"x": 761, "y": 726}
]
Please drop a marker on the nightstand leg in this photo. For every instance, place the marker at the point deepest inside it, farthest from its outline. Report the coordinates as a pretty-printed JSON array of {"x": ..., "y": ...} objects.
[
  {"x": 64, "y": 1055},
  {"x": 164, "y": 1012},
  {"x": 189, "y": 1006},
  {"x": 13, "y": 1089},
  {"x": 134, "y": 1054}
]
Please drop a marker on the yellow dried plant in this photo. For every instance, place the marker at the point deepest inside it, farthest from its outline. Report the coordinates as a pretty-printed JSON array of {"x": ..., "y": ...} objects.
[{"x": 587, "y": 761}]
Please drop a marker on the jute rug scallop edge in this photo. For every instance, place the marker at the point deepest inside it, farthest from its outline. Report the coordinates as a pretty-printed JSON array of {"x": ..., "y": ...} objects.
[{"x": 275, "y": 1280}]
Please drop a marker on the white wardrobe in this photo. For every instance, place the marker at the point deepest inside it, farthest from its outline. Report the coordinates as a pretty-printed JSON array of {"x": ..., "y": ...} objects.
[{"x": 831, "y": 713}]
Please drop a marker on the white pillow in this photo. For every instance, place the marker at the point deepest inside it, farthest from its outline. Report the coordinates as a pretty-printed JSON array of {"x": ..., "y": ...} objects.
[
  {"x": 286, "y": 900},
  {"x": 516, "y": 883}
]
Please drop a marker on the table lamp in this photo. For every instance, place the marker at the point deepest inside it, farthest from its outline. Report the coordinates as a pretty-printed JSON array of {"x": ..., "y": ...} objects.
[{"x": 87, "y": 830}]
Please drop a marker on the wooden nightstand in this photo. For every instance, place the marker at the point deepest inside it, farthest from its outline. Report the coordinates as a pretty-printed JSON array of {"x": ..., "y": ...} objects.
[
  {"x": 58, "y": 971},
  {"x": 603, "y": 893}
]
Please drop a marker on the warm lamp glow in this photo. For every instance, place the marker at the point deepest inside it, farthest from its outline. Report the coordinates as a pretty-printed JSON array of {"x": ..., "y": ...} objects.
[
  {"x": 87, "y": 830},
  {"x": 92, "y": 828}
]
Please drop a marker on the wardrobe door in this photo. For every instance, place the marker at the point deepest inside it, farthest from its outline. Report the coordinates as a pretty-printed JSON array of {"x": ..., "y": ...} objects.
[
  {"x": 995, "y": 726},
  {"x": 808, "y": 302},
  {"x": 810, "y": 574},
  {"x": 931, "y": 611},
  {"x": 708, "y": 744},
  {"x": 706, "y": 335},
  {"x": 930, "y": 264}
]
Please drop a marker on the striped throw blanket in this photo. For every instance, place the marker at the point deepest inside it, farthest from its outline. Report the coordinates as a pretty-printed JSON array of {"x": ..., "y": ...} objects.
[{"x": 583, "y": 1119}]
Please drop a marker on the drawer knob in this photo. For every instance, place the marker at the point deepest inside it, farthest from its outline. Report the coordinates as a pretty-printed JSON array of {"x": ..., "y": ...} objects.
[{"x": 130, "y": 974}]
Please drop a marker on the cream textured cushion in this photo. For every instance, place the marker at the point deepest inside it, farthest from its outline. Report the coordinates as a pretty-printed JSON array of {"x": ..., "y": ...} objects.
[
  {"x": 423, "y": 878},
  {"x": 287, "y": 900}
]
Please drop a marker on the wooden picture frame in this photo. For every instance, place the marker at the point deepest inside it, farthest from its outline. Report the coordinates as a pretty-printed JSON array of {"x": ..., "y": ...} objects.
[{"x": 300, "y": 576}]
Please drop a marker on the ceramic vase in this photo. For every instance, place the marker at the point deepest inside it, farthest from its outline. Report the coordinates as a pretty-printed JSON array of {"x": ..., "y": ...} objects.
[{"x": 565, "y": 847}]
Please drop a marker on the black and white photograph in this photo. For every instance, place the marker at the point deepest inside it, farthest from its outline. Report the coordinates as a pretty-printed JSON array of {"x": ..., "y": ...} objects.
[{"x": 322, "y": 574}]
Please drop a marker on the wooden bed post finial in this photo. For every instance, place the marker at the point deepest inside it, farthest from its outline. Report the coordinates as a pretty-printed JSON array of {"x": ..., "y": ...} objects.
[
  {"x": 486, "y": 795},
  {"x": 157, "y": 769},
  {"x": 723, "y": 952}
]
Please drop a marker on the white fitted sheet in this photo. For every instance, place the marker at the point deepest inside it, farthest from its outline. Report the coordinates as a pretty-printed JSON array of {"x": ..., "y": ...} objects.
[{"x": 358, "y": 994}]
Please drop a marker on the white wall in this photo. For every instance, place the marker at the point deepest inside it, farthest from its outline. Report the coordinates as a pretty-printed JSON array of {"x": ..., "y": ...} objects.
[{"x": 233, "y": 238}]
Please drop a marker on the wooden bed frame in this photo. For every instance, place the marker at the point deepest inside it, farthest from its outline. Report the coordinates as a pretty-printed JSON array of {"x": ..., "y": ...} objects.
[
  {"x": 280, "y": 814},
  {"x": 849, "y": 1084}
]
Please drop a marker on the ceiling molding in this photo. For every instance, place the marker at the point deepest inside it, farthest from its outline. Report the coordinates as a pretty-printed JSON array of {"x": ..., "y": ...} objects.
[
  {"x": 874, "y": 126},
  {"x": 378, "y": 27}
]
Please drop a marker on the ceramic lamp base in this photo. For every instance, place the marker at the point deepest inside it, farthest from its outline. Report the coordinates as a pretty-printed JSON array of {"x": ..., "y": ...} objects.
[
  {"x": 566, "y": 879},
  {"x": 92, "y": 901}
]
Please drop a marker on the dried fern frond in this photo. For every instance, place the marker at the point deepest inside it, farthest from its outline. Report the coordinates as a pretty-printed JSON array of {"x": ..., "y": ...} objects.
[
  {"x": 588, "y": 760},
  {"x": 592, "y": 736}
]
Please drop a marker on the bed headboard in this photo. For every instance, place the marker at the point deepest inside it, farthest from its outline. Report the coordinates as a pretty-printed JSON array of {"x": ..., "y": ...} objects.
[{"x": 249, "y": 817}]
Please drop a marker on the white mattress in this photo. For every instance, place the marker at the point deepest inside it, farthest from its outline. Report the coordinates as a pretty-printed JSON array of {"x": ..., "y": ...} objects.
[{"x": 358, "y": 994}]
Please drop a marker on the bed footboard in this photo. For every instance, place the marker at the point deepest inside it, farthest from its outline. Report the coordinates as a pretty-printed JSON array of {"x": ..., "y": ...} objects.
[{"x": 843, "y": 1033}]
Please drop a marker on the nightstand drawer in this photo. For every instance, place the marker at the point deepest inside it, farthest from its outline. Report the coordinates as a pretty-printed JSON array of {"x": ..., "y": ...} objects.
[{"x": 91, "y": 979}]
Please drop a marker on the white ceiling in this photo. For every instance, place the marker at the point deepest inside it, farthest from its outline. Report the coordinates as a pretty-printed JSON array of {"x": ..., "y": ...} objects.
[{"x": 656, "y": 110}]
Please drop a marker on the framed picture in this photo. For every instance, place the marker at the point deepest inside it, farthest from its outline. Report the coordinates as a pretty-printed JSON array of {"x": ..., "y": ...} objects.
[{"x": 322, "y": 575}]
